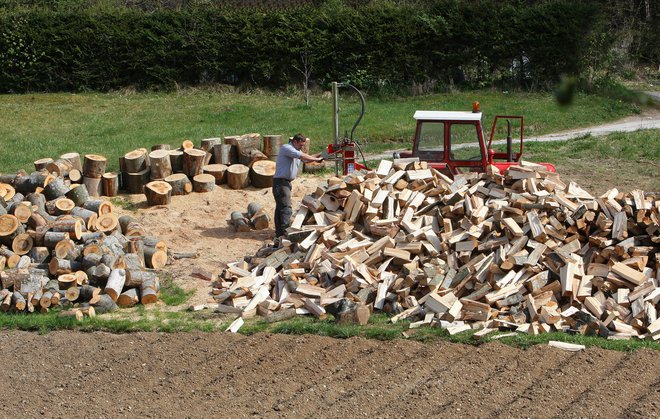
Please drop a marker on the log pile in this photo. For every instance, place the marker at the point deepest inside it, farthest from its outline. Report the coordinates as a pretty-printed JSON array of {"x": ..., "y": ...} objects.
[
  {"x": 519, "y": 250},
  {"x": 237, "y": 161},
  {"x": 60, "y": 246}
]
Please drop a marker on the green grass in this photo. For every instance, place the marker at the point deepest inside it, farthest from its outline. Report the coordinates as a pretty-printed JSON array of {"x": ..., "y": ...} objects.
[
  {"x": 170, "y": 293},
  {"x": 34, "y": 126},
  {"x": 156, "y": 319}
]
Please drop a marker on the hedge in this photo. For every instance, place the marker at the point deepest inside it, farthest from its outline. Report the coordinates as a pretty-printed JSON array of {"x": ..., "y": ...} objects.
[{"x": 375, "y": 45}]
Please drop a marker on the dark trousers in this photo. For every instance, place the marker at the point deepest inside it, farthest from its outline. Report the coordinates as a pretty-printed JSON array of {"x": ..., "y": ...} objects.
[{"x": 283, "y": 211}]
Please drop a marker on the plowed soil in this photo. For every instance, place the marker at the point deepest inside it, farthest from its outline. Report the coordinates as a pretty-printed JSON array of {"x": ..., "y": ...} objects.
[{"x": 74, "y": 374}]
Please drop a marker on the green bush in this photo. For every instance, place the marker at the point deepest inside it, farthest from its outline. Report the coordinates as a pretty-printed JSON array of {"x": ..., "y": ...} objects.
[{"x": 78, "y": 45}]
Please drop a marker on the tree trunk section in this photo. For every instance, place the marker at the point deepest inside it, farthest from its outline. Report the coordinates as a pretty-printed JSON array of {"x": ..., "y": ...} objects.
[
  {"x": 59, "y": 168},
  {"x": 193, "y": 162},
  {"x": 93, "y": 185},
  {"x": 99, "y": 206},
  {"x": 68, "y": 225},
  {"x": 42, "y": 164},
  {"x": 135, "y": 161},
  {"x": 106, "y": 222},
  {"x": 79, "y": 195},
  {"x": 55, "y": 189},
  {"x": 135, "y": 181},
  {"x": 261, "y": 173},
  {"x": 110, "y": 184},
  {"x": 63, "y": 206},
  {"x": 237, "y": 176},
  {"x": 22, "y": 244},
  {"x": 180, "y": 184},
  {"x": 217, "y": 171},
  {"x": 161, "y": 166},
  {"x": 176, "y": 161},
  {"x": 73, "y": 159},
  {"x": 240, "y": 222},
  {"x": 115, "y": 283},
  {"x": 94, "y": 166},
  {"x": 158, "y": 193},
  {"x": 128, "y": 298},
  {"x": 203, "y": 183},
  {"x": 272, "y": 145},
  {"x": 223, "y": 153},
  {"x": 155, "y": 258}
]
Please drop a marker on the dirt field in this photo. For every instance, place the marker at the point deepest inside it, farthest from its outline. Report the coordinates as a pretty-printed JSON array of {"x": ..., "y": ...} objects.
[{"x": 73, "y": 374}]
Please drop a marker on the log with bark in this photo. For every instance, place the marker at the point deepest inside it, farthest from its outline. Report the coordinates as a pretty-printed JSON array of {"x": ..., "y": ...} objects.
[
  {"x": 110, "y": 184},
  {"x": 203, "y": 183},
  {"x": 180, "y": 184},
  {"x": 94, "y": 166},
  {"x": 237, "y": 176},
  {"x": 193, "y": 162},
  {"x": 135, "y": 161},
  {"x": 79, "y": 195},
  {"x": 161, "y": 166},
  {"x": 261, "y": 173},
  {"x": 93, "y": 185},
  {"x": 217, "y": 171},
  {"x": 158, "y": 193}
]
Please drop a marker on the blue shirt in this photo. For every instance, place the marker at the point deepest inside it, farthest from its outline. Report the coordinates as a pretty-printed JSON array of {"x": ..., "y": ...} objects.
[{"x": 288, "y": 161}]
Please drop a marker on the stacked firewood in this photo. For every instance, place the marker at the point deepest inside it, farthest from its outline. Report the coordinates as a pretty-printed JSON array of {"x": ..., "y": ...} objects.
[
  {"x": 162, "y": 172},
  {"x": 518, "y": 250},
  {"x": 59, "y": 245}
]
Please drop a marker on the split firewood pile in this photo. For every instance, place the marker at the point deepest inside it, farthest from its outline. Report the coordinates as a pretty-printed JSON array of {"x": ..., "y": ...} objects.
[
  {"x": 255, "y": 218},
  {"x": 60, "y": 246},
  {"x": 238, "y": 161},
  {"x": 519, "y": 250}
]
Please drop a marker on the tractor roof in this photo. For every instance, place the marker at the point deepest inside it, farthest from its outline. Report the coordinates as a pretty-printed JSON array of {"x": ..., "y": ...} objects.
[{"x": 447, "y": 116}]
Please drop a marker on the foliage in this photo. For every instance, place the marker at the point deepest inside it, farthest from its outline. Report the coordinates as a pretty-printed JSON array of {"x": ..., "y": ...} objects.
[{"x": 78, "y": 45}]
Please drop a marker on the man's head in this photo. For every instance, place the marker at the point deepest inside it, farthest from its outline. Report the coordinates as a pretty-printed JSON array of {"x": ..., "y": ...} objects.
[{"x": 298, "y": 141}]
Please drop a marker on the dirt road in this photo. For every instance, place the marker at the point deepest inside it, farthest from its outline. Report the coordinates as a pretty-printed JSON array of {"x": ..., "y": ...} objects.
[{"x": 73, "y": 374}]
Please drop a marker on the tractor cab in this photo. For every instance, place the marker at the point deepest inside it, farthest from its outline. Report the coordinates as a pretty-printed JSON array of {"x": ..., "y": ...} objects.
[{"x": 453, "y": 141}]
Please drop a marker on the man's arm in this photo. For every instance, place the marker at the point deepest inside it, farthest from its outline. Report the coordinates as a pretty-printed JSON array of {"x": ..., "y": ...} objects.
[{"x": 306, "y": 158}]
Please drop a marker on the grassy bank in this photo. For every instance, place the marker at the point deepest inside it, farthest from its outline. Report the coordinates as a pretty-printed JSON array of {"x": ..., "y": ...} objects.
[{"x": 34, "y": 126}]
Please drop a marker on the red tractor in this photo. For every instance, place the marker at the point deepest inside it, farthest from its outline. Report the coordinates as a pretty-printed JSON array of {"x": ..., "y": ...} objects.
[{"x": 453, "y": 142}]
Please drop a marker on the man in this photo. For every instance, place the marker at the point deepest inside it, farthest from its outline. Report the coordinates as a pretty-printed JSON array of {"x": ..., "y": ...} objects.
[{"x": 286, "y": 170}]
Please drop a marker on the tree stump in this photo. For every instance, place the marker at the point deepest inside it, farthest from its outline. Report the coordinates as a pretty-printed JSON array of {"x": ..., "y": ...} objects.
[
  {"x": 161, "y": 166},
  {"x": 135, "y": 161},
  {"x": 261, "y": 173},
  {"x": 110, "y": 184},
  {"x": 74, "y": 159},
  {"x": 93, "y": 185},
  {"x": 217, "y": 171},
  {"x": 79, "y": 195},
  {"x": 237, "y": 176},
  {"x": 193, "y": 162},
  {"x": 158, "y": 192},
  {"x": 203, "y": 183},
  {"x": 245, "y": 145},
  {"x": 94, "y": 166}
]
